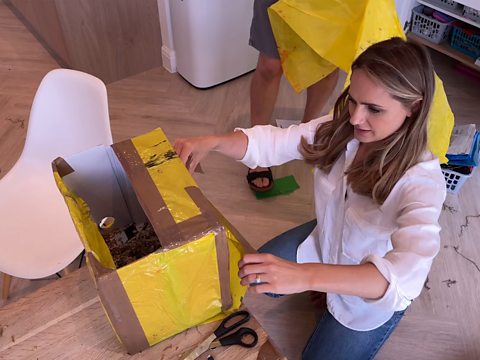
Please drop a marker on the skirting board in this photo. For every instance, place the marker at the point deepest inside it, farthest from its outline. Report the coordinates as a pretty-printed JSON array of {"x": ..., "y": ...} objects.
[{"x": 168, "y": 59}]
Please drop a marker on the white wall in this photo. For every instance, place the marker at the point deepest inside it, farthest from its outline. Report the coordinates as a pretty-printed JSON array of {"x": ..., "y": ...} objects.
[{"x": 404, "y": 10}]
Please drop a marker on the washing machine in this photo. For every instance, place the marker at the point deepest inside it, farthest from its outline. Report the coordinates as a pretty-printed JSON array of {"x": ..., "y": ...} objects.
[{"x": 210, "y": 38}]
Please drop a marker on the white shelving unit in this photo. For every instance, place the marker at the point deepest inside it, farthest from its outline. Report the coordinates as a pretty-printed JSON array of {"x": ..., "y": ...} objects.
[
  {"x": 457, "y": 14},
  {"x": 445, "y": 46}
]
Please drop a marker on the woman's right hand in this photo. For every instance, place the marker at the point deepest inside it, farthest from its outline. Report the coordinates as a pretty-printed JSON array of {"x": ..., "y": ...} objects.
[{"x": 192, "y": 150}]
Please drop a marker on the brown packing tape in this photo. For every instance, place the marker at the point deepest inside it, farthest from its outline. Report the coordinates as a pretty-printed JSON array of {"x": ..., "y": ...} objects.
[
  {"x": 120, "y": 311},
  {"x": 203, "y": 204},
  {"x": 220, "y": 243},
  {"x": 195, "y": 226},
  {"x": 147, "y": 193},
  {"x": 223, "y": 261},
  {"x": 62, "y": 167},
  {"x": 97, "y": 268},
  {"x": 198, "y": 168},
  {"x": 207, "y": 208},
  {"x": 190, "y": 230}
]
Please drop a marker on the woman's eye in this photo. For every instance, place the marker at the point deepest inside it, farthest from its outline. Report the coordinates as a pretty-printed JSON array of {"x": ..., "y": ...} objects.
[{"x": 374, "y": 110}]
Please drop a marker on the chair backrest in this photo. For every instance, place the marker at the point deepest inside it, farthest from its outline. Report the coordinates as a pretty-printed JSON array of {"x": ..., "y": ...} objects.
[{"x": 69, "y": 114}]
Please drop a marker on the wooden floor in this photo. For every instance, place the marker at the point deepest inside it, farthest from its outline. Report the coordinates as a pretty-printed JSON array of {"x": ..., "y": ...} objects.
[{"x": 443, "y": 323}]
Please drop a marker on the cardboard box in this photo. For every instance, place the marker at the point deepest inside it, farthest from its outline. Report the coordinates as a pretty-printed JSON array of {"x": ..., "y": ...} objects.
[{"x": 192, "y": 278}]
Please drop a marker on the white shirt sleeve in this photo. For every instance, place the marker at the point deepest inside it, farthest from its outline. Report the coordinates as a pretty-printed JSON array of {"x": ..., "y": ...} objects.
[
  {"x": 270, "y": 146},
  {"x": 415, "y": 243}
]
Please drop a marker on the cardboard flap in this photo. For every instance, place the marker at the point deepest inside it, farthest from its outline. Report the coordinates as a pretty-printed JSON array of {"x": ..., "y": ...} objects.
[
  {"x": 60, "y": 166},
  {"x": 81, "y": 216}
]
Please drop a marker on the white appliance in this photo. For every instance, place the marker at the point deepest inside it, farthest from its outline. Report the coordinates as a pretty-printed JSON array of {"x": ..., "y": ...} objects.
[{"x": 211, "y": 40}]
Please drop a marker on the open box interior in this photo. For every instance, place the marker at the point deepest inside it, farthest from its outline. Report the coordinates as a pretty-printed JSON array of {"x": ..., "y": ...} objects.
[{"x": 100, "y": 180}]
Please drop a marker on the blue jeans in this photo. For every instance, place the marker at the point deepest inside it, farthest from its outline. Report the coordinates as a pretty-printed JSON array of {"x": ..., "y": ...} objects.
[{"x": 330, "y": 339}]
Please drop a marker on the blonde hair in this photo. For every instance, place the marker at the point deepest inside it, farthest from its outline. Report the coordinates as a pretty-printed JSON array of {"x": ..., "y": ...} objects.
[{"x": 405, "y": 70}]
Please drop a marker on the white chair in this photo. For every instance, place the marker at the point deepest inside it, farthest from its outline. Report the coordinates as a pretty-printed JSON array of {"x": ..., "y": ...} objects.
[{"x": 37, "y": 237}]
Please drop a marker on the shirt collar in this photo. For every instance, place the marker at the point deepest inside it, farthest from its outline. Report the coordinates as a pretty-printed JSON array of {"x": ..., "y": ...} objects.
[
  {"x": 352, "y": 147},
  {"x": 353, "y": 144}
]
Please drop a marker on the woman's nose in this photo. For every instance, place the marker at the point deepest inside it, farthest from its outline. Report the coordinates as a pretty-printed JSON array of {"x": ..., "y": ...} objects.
[{"x": 357, "y": 116}]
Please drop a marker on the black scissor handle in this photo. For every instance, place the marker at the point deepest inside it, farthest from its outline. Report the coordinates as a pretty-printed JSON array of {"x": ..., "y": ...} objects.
[
  {"x": 245, "y": 337},
  {"x": 236, "y": 319}
]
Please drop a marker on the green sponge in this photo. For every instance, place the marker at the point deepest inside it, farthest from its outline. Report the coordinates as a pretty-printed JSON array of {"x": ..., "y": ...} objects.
[{"x": 281, "y": 186}]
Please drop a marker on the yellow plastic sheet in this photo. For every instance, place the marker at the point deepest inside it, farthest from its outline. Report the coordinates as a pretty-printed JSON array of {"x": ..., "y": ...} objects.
[
  {"x": 162, "y": 285},
  {"x": 172, "y": 278},
  {"x": 169, "y": 174},
  {"x": 315, "y": 37}
]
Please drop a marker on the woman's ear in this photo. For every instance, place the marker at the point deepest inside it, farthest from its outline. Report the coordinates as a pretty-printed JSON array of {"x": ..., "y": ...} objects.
[{"x": 414, "y": 107}]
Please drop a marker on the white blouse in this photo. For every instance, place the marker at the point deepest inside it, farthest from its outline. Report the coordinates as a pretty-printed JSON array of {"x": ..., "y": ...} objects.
[{"x": 400, "y": 237}]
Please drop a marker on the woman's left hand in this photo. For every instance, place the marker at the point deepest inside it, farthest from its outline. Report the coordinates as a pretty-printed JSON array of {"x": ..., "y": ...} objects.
[{"x": 267, "y": 273}]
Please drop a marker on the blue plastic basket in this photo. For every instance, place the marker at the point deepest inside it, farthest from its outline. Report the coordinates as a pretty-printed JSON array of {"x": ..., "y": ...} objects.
[
  {"x": 471, "y": 159},
  {"x": 469, "y": 44}
]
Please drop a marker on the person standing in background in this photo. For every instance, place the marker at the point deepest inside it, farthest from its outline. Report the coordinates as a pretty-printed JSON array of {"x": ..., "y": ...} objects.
[
  {"x": 311, "y": 41},
  {"x": 266, "y": 83}
]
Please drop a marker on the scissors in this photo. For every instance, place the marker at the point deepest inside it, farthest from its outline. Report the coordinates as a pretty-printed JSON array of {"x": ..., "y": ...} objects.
[{"x": 245, "y": 337}]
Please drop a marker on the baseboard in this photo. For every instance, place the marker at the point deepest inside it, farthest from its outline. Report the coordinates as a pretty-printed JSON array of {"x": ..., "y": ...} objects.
[{"x": 168, "y": 59}]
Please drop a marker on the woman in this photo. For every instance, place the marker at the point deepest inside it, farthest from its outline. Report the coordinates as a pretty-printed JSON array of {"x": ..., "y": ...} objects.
[{"x": 378, "y": 195}]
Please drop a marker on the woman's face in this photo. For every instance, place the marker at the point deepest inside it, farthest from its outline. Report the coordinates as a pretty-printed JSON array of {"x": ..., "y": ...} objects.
[{"x": 374, "y": 114}]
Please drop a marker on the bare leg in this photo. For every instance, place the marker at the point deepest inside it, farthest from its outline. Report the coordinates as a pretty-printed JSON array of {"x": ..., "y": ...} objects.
[
  {"x": 263, "y": 95},
  {"x": 318, "y": 94},
  {"x": 264, "y": 89}
]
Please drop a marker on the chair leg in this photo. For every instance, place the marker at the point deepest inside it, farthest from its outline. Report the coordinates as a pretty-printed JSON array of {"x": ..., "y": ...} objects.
[{"x": 7, "y": 280}]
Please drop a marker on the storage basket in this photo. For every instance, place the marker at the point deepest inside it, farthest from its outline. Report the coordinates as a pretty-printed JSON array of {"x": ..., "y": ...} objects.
[
  {"x": 447, "y": 4},
  {"x": 454, "y": 180},
  {"x": 471, "y": 159},
  {"x": 472, "y": 14},
  {"x": 469, "y": 44},
  {"x": 427, "y": 27}
]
